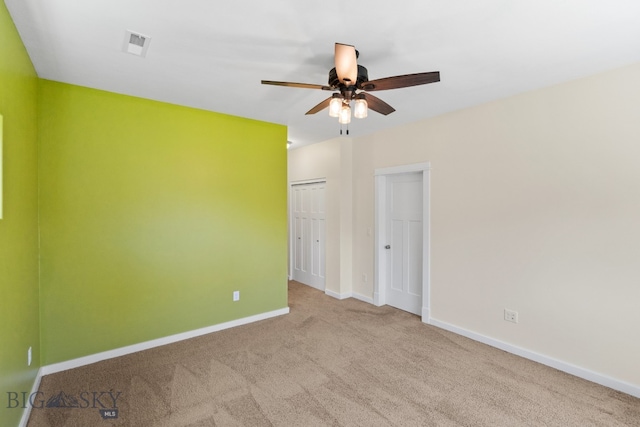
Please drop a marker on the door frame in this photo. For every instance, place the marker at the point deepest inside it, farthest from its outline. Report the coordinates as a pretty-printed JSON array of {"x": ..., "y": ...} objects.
[
  {"x": 290, "y": 227},
  {"x": 380, "y": 267}
]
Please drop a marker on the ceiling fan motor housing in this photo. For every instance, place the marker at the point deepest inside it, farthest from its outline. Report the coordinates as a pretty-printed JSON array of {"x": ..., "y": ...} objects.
[{"x": 334, "y": 81}]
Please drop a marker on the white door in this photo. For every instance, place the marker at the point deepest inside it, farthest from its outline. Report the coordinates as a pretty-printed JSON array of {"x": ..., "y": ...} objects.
[
  {"x": 308, "y": 234},
  {"x": 404, "y": 236}
]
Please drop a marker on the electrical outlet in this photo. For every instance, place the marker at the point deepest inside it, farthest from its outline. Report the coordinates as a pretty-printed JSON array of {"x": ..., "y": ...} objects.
[
  {"x": 236, "y": 295},
  {"x": 29, "y": 357},
  {"x": 364, "y": 277},
  {"x": 510, "y": 315}
]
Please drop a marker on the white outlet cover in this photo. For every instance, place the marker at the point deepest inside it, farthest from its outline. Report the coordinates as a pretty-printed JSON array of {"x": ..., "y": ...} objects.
[
  {"x": 510, "y": 315},
  {"x": 236, "y": 295},
  {"x": 29, "y": 357}
]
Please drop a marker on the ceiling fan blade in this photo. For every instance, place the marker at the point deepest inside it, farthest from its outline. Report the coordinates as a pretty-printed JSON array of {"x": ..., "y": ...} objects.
[
  {"x": 346, "y": 64},
  {"x": 377, "y": 104},
  {"x": 299, "y": 85},
  {"x": 398, "y": 82},
  {"x": 321, "y": 106}
]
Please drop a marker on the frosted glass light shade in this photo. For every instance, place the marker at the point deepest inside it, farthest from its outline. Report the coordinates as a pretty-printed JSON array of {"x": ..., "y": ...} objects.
[
  {"x": 360, "y": 109},
  {"x": 345, "y": 115},
  {"x": 335, "y": 105}
]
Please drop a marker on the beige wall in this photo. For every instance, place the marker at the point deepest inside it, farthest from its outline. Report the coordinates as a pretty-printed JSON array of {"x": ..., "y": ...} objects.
[
  {"x": 535, "y": 207},
  {"x": 331, "y": 160}
]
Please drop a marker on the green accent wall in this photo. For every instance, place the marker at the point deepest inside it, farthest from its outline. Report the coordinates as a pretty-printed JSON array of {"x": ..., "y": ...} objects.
[
  {"x": 126, "y": 220},
  {"x": 151, "y": 216},
  {"x": 19, "y": 323}
]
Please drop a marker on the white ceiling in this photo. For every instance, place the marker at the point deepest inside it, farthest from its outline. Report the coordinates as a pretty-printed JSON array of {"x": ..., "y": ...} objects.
[{"x": 212, "y": 54}]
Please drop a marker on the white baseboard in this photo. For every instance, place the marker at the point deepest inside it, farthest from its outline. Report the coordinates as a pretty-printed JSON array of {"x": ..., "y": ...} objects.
[
  {"x": 337, "y": 295},
  {"x": 362, "y": 297},
  {"x": 27, "y": 411},
  {"x": 625, "y": 387},
  {"x": 122, "y": 351},
  {"x": 348, "y": 295}
]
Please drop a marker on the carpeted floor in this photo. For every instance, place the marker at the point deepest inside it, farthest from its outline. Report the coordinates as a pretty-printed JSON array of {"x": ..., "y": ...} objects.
[{"x": 333, "y": 363}]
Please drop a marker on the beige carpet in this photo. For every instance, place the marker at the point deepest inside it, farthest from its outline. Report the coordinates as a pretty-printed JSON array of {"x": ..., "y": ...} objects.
[{"x": 334, "y": 363}]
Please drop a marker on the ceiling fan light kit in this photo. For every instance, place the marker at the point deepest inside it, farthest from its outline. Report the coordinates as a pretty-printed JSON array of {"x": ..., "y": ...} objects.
[
  {"x": 335, "y": 105},
  {"x": 352, "y": 83},
  {"x": 360, "y": 108},
  {"x": 345, "y": 115}
]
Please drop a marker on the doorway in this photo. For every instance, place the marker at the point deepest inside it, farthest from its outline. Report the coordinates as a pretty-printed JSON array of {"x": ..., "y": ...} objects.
[
  {"x": 402, "y": 238},
  {"x": 308, "y": 233}
]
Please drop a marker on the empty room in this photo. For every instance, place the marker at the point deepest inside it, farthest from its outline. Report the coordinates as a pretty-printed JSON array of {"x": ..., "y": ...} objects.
[{"x": 286, "y": 213}]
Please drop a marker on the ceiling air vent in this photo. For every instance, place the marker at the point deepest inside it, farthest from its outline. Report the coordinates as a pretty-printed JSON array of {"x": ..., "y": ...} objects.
[{"x": 136, "y": 43}]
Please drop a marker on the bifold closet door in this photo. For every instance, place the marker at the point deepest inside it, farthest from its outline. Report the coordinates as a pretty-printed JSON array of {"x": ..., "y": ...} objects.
[{"x": 308, "y": 233}]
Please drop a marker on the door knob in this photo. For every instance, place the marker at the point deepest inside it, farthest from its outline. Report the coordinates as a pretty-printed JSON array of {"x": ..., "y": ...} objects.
[{"x": 388, "y": 247}]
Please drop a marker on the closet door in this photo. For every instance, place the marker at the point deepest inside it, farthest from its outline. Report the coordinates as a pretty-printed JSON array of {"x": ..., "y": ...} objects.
[{"x": 308, "y": 233}]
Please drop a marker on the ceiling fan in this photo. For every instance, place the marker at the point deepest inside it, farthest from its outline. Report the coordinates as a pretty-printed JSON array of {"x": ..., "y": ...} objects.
[{"x": 351, "y": 80}]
